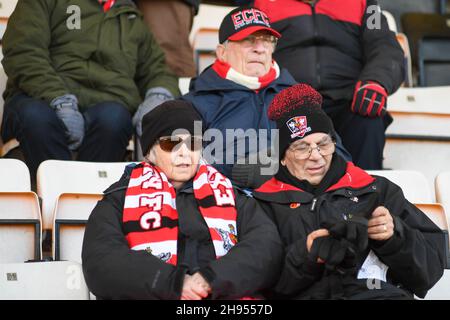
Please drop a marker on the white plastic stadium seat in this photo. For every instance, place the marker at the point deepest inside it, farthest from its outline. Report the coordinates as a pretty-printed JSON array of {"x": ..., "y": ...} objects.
[
  {"x": 20, "y": 215},
  {"x": 435, "y": 212},
  {"x": 423, "y": 100},
  {"x": 390, "y": 20},
  {"x": 413, "y": 183},
  {"x": 55, "y": 177},
  {"x": 205, "y": 43},
  {"x": 15, "y": 176},
  {"x": 60, "y": 280},
  {"x": 209, "y": 16},
  {"x": 7, "y": 7},
  {"x": 442, "y": 186},
  {"x": 71, "y": 214},
  {"x": 20, "y": 227}
]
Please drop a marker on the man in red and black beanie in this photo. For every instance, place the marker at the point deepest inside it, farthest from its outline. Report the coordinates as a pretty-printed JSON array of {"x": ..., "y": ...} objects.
[
  {"x": 298, "y": 113},
  {"x": 337, "y": 221}
]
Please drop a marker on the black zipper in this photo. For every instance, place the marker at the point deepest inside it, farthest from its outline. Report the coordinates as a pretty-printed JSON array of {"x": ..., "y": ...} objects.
[{"x": 316, "y": 35}]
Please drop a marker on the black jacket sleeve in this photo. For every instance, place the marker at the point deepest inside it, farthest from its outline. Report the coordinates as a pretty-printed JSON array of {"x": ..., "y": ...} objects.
[
  {"x": 383, "y": 56},
  {"x": 112, "y": 270},
  {"x": 415, "y": 254},
  {"x": 253, "y": 264},
  {"x": 299, "y": 272}
]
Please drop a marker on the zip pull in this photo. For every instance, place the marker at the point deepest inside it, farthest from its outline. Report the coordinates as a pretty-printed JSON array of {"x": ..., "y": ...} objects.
[{"x": 313, "y": 205}]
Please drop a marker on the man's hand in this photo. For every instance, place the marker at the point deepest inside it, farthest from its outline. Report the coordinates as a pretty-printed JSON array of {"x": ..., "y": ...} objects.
[
  {"x": 66, "y": 108},
  {"x": 314, "y": 235},
  {"x": 195, "y": 287},
  {"x": 369, "y": 99},
  {"x": 381, "y": 225}
]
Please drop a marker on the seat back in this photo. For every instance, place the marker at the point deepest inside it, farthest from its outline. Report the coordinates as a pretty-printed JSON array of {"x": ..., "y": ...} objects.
[
  {"x": 55, "y": 177},
  {"x": 71, "y": 214},
  {"x": 418, "y": 26},
  {"x": 15, "y": 176},
  {"x": 404, "y": 43},
  {"x": 399, "y": 7},
  {"x": 205, "y": 43},
  {"x": 413, "y": 183},
  {"x": 20, "y": 227},
  {"x": 60, "y": 280},
  {"x": 436, "y": 213},
  {"x": 7, "y": 7},
  {"x": 428, "y": 156},
  {"x": 434, "y": 61},
  {"x": 390, "y": 21},
  {"x": 442, "y": 187}
]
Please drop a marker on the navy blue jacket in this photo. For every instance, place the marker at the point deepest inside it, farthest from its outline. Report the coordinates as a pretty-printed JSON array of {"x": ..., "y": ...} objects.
[{"x": 224, "y": 104}]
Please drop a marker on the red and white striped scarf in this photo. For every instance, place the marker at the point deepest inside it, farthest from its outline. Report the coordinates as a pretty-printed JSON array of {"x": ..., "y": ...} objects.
[
  {"x": 224, "y": 70},
  {"x": 150, "y": 215}
]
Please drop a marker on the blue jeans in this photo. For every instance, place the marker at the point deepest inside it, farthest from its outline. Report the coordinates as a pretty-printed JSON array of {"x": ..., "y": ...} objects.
[{"x": 42, "y": 134}]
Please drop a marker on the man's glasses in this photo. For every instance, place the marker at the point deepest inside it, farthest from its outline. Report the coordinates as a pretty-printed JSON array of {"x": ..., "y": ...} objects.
[
  {"x": 266, "y": 39},
  {"x": 169, "y": 143},
  {"x": 303, "y": 151}
]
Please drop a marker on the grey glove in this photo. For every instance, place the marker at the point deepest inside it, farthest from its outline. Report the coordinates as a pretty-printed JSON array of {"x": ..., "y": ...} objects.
[
  {"x": 66, "y": 108},
  {"x": 153, "y": 98}
]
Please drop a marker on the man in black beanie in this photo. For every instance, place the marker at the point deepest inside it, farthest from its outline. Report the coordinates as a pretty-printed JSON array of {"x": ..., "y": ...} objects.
[{"x": 343, "y": 229}]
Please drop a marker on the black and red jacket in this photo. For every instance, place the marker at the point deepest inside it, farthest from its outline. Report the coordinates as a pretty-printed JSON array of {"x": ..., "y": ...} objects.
[
  {"x": 415, "y": 254},
  {"x": 328, "y": 45}
]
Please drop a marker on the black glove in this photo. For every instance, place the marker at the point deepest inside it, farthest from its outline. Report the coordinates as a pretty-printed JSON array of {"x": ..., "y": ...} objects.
[
  {"x": 355, "y": 232},
  {"x": 369, "y": 99},
  {"x": 328, "y": 249}
]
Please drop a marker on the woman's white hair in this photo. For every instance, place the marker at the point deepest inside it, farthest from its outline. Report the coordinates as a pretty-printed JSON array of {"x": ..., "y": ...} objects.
[{"x": 151, "y": 155}]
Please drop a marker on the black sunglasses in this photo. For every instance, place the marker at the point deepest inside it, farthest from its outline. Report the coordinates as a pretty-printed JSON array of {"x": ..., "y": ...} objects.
[{"x": 169, "y": 143}]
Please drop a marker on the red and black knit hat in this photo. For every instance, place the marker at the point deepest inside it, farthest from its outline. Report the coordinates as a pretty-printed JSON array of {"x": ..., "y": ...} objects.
[{"x": 298, "y": 112}]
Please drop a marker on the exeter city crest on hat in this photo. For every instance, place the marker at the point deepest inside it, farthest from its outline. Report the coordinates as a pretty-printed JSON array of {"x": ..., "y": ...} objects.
[{"x": 298, "y": 126}]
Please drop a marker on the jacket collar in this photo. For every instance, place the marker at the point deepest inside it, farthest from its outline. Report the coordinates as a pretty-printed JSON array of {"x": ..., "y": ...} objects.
[
  {"x": 277, "y": 191},
  {"x": 353, "y": 178}
]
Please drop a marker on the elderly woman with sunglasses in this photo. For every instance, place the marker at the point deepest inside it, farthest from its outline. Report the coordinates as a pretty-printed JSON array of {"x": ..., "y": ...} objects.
[
  {"x": 174, "y": 227},
  {"x": 347, "y": 234}
]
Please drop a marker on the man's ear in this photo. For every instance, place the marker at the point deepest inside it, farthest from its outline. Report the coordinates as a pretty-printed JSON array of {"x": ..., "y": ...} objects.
[{"x": 221, "y": 52}]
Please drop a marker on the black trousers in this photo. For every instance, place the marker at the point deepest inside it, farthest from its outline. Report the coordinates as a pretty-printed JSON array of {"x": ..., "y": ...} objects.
[
  {"x": 34, "y": 124},
  {"x": 363, "y": 137}
]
